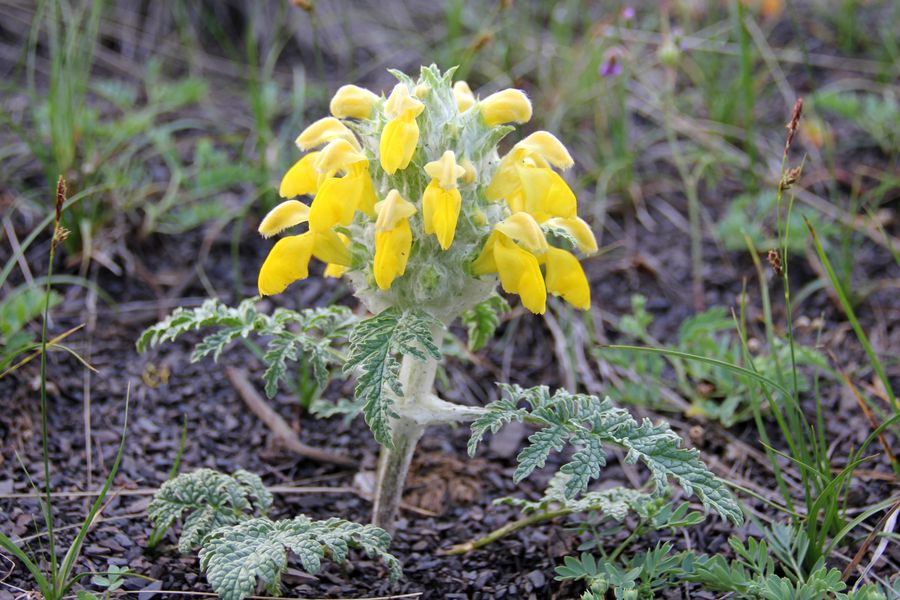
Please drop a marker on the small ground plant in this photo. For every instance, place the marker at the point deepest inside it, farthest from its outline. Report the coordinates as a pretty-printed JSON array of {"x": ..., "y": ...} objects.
[
  {"x": 416, "y": 208},
  {"x": 712, "y": 391}
]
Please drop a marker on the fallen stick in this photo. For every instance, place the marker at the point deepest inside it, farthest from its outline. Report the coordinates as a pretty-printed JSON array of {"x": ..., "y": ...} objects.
[{"x": 279, "y": 427}]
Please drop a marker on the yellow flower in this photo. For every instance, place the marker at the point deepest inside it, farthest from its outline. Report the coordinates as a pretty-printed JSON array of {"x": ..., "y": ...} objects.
[
  {"x": 401, "y": 134},
  {"x": 285, "y": 215},
  {"x": 506, "y": 106},
  {"x": 512, "y": 251},
  {"x": 465, "y": 99},
  {"x": 520, "y": 227},
  {"x": 338, "y": 198},
  {"x": 442, "y": 200},
  {"x": 566, "y": 278},
  {"x": 354, "y": 102},
  {"x": 300, "y": 179},
  {"x": 526, "y": 180},
  {"x": 520, "y": 273},
  {"x": 288, "y": 260},
  {"x": 393, "y": 238},
  {"x": 517, "y": 247},
  {"x": 322, "y": 131}
]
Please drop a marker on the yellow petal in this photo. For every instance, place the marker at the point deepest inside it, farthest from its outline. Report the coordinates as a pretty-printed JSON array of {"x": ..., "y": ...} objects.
[
  {"x": 392, "y": 249},
  {"x": 465, "y": 99},
  {"x": 546, "y": 193},
  {"x": 301, "y": 178},
  {"x": 485, "y": 262},
  {"x": 400, "y": 101},
  {"x": 323, "y": 131},
  {"x": 335, "y": 203},
  {"x": 352, "y": 101},
  {"x": 287, "y": 214},
  {"x": 578, "y": 229},
  {"x": 516, "y": 201},
  {"x": 398, "y": 142},
  {"x": 367, "y": 198},
  {"x": 288, "y": 261},
  {"x": 421, "y": 90},
  {"x": 520, "y": 274},
  {"x": 393, "y": 210},
  {"x": 525, "y": 230},
  {"x": 330, "y": 248},
  {"x": 445, "y": 170},
  {"x": 338, "y": 155},
  {"x": 505, "y": 181},
  {"x": 506, "y": 106},
  {"x": 546, "y": 145},
  {"x": 440, "y": 212},
  {"x": 566, "y": 278}
]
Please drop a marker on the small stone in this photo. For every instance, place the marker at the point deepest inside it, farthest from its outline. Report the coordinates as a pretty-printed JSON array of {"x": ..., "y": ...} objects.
[{"x": 537, "y": 579}]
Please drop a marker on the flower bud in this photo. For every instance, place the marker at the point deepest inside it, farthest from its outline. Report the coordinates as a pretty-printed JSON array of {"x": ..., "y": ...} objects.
[
  {"x": 354, "y": 102},
  {"x": 506, "y": 106},
  {"x": 470, "y": 175},
  {"x": 465, "y": 99},
  {"x": 669, "y": 54}
]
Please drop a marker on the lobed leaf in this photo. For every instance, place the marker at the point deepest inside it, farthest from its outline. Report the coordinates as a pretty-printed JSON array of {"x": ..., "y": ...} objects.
[
  {"x": 375, "y": 344},
  {"x": 235, "y": 557},
  {"x": 589, "y": 422},
  {"x": 305, "y": 335},
  {"x": 210, "y": 499},
  {"x": 482, "y": 320}
]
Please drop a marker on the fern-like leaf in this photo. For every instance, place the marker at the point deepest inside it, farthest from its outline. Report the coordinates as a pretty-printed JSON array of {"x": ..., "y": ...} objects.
[
  {"x": 210, "y": 499},
  {"x": 589, "y": 422},
  {"x": 482, "y": 320},
  {"x": 374, "y": 347},
  {"x": 292, "y": 335},
  {"x": 235, "y": 557}
]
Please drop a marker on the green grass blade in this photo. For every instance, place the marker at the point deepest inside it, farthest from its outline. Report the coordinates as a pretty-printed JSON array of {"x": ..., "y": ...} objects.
[
  {"x": 65, "y": 570},
  {"x": 710, "y": 361},
  {"x": 39, "y": 578},
  {"x": 851, "y": 316}
]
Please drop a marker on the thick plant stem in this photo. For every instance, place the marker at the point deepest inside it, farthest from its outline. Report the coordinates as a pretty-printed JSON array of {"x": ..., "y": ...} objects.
[
  {"x": 417, "y": 378},
  {"x": 393, "y": 465}
]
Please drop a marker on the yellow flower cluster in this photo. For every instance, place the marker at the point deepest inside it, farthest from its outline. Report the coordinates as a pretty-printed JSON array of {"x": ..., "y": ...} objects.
[{"x": 380, "y": 194}]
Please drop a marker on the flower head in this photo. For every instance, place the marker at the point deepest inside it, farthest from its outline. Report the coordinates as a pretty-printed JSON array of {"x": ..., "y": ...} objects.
[{"x": 412, "y": 203}]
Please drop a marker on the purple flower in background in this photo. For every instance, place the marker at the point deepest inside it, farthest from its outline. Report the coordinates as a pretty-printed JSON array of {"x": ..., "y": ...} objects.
[
  {"x": 627, "y": 13},
  {"x": 611, "y": 66}
]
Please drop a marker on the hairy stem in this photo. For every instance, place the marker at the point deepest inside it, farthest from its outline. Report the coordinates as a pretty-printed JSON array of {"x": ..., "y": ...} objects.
[
  {"x": 417, "y": 378},
  {"x": 508, "y": 529}
]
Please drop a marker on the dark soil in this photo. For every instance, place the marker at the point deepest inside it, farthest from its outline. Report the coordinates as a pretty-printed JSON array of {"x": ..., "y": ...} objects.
[{"x": 223, "y": 435}]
